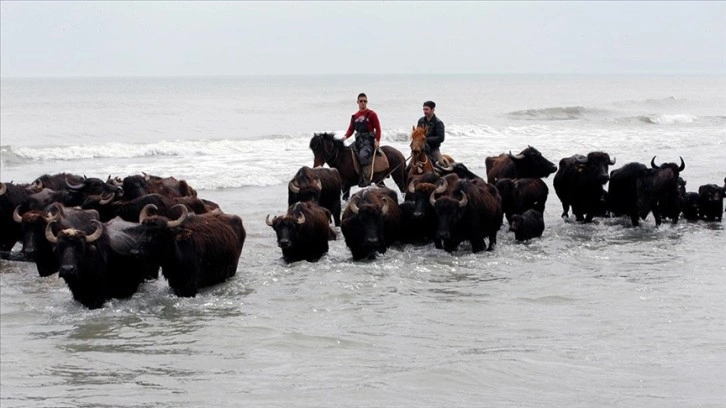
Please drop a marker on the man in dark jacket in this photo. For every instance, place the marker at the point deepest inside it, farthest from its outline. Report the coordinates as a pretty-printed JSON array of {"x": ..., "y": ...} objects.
[{"x": 435, "y": 131}]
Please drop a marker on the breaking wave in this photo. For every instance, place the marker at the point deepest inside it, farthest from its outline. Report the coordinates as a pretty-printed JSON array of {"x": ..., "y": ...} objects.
[{"x": 555, "y": 113}]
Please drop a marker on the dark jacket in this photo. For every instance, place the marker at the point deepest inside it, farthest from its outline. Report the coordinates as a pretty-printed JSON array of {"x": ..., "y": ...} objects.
[{"x": 435, "y": 131}]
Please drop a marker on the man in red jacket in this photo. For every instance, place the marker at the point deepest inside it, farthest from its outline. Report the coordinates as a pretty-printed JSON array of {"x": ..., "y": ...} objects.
[{"x": 367, "y": 137}]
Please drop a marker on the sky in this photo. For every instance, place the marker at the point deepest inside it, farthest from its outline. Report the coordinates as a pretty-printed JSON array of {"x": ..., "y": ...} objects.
[{"x": 169, "y": 38}]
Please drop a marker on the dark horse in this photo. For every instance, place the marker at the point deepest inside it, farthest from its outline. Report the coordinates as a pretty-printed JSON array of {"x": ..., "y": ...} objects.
[{"x": 327, "y": 149}]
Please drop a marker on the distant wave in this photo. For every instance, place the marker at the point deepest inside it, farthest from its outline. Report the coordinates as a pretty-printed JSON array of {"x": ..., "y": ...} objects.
[
  {"x": 667, "y": 101},
  {"x": 555, "y": 113},
  {"x": 659, "y": 119}
]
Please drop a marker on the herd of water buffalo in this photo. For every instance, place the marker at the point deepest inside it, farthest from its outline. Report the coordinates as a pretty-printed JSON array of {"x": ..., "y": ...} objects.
[{"x": 105, "y": 238}]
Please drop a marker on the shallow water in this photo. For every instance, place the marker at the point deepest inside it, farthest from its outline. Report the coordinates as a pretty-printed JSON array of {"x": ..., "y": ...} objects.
[{"x": 589, "y": 315}]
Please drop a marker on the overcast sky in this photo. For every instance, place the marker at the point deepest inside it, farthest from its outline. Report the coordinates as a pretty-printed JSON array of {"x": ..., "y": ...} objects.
[{"x": 118, "y": 38}]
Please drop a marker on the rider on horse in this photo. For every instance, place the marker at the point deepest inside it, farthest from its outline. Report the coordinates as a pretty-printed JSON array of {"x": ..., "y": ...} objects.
[
  {"x": 367, "y": 137},
  {"x": 435, "y": 131}
]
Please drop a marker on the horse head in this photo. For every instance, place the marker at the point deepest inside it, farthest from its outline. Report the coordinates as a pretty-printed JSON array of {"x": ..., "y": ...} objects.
[
  {"x": 418, "y": 140},
  {"x": 325, "y": 148}
]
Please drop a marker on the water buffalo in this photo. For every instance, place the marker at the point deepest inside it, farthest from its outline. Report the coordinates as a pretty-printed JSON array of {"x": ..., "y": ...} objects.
[
  {"x": 528, "y": 225},
  {"x": 303, "y": 233},
  {"x": 472, "y": 212},
  {"x": 579, "y": 183},
  {"x": 194, "y": 250},
  {"x": 710, "y": 202},
  {"x": 528, "y": 163},
  {"x": 519, "y": 195},
  {"x": 371, "y": 222},
  {"x": 320, "y": 185},
  {"x": 12, "y": 196},
  {"x": 635, "y": 191},
  {"x": 140, "y": 185}
]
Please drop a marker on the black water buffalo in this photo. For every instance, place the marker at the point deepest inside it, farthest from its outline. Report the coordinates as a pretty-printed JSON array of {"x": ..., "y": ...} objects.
[
  {"x": 11, "y": 197},
  {"x": 321, "y": 185},
  {"x": 472, "y": 212},
  {"x": 710, "y": 202},
  {"x": 636, "y": 190},
  {"x": 418, "y": 218},
  {"x": 101, "y": 265},
  {"x": 579, "y": 183},
  {"x": 520, "y": 195},
  {"x": 140, "y": 185},
  {"x": 528, "y": 163},
  {"x": 57, "y": 181},
  {"x": 458, "y": 168},
  {"x": 371, "y": 222},
  {"x": 35, "y": 245},
  {"x": 194, "y": 250},
  {"x": 528, "y": 225},
  {"x": 303, "y": 233}
]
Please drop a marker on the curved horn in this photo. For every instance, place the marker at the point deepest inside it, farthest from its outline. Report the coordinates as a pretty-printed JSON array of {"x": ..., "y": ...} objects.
[
  {"x": 440, "y": 167},
  {"x": 104, "y": 201},
  {"x": 293, "y": 187},
  {"x": 54, "y": 217},
  {"x": 444, "y": 185},
  {"x": 682, "y": 166},
  {"x": 516, "y": 156},
  {"x": 3, "y": 188},
  {"x": 16, "y": 215},
  {"x": 652, "y": 163},
  {"x": 412, "y": 186},
  {"x": 612, "y": 162},
  {"x": 74, "y": 186},
  {"x": 144, "y": 214},
  {"x": 146, "y": 176},
  {"x": 301, "y": 219},
  {"x": 384, "y": 210},
  {"x": 116, "y": 181},
  {"x": 267, "y": 220},
  {"x": 49, "y": 233},
  {"x": 97, "y": 233},
  {"x": 581, "y": 159},
  {"x": 353, "y": 206},
  {"x": 37, "y": 185},
  {"x": 319, "y": 184},
  {"x": 432, "y": 199},
  {"x": 464, "y": 200},
  {"x": 180, "y": 220}
]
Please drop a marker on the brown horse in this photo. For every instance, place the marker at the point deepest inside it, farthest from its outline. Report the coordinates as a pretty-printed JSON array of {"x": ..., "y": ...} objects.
[
  {"x": 421, "y": 162},
  {"x": 328, "y": 149}
]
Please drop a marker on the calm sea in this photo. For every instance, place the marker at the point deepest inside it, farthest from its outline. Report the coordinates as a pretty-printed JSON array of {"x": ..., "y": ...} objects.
[{"x": 599, "y": 315}]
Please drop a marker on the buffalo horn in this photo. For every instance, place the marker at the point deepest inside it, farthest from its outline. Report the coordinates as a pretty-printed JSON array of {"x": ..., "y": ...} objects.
[
  {"x": 353, "y": 206},
  {"x": 384, "y": 210},
  {"x": 652, "y": 163},
  {"x": 293, "y": 187},
  {"x": 301, "y": 219},
  {"x": 178, "y": 221},
  {"x": 319, "y": 184},
  {"x": 144, "y": 214},
  {"x": 49, "y": 233},
  {"x": 432, "y": 199},
  {"x": 54, "y": 217},
  {"x": 74, "y": 186},
  {"x": 267, "y": 220},
  {"x": 37, "y": 185},
  {"x": 16, "y": 215},
  {"x": 3, "y": 188},
  {"x": 412, "y": 186},
  {"x": 444, "y": 185},
  {"x": 104, "y": 201},
  {"x": 683, "y": 164},
  {"x": 146, "y": 176},
  {"x": 612, "y": 161},
  {"x": 97, "y": 233},
  {"x": 581, "y": 159},
  {"x": 516, "y": 156},
  {"x": 464, "y": 200}
]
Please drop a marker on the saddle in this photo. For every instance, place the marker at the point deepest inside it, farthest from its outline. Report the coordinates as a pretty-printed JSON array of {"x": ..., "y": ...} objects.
[{"x": 380, "y": 161}]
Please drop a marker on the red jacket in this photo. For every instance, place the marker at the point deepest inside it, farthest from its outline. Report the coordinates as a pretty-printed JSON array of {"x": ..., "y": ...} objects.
[{"x": 366, "y": 115}]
